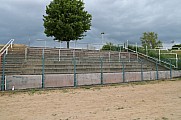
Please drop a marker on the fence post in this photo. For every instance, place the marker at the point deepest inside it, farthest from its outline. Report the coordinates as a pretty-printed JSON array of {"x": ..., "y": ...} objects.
[
  {"x": 75, "y": 80},
  {"x": 26, "y": 52},
  {"x": 101, "y": 71},
  {"x": 157, "y": 70},
  {"x": 43, "y": 68},
  {"x": 142, "y": 71},
  {"x": 170, "y": 70},
  {"x": 59, "y": 55},
  {"x": 3, "y": 73},
  {"x": 123, "y": 72},
  {"x": 109, "y": 56}
]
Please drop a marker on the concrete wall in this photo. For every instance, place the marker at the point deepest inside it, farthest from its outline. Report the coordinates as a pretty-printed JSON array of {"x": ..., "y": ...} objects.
[
  {"x": 59, "y": 80},
  {"x": 63, "y": 80},
  {"x": 23, "y": 81},
  {"x": 88, "y": 79}
]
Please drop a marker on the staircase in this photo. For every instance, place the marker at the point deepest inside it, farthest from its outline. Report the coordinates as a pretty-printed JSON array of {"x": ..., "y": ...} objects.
[
  {"x": 22, "y": 60},
  {"x": 14, "y": 59}
]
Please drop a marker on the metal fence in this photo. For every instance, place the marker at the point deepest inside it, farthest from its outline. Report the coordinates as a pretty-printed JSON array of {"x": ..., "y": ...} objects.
[{"x": 44, "y": 71}]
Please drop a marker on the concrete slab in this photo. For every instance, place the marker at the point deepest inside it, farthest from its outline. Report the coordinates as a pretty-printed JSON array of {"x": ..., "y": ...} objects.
[
  {"x": 23, "y": 81},
  {"x": 59, "y": 80}
]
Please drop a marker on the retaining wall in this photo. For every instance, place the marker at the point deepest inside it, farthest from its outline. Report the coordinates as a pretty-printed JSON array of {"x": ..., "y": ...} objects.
[{"x": 65, "y": 80}]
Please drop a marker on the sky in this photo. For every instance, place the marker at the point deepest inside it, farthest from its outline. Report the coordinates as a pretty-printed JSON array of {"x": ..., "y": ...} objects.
[{"x": 120, "y": 20}]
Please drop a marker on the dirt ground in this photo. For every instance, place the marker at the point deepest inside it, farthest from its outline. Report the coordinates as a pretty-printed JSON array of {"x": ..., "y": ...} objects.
[{"x": 159, "y": 100}]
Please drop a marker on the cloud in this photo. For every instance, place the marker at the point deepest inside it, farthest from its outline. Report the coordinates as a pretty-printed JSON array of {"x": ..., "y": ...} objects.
[
  {"x": 21, "y": 19},
  {"x": 120, "y": 20},
  {"x": 128, "y": 19}
]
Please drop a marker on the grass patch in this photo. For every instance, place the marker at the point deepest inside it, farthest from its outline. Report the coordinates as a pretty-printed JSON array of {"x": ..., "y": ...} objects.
[
  {"x": 33, "y": 91},
  {"x": 65, "y": 91},
  {"x": 164, "y": 118}
]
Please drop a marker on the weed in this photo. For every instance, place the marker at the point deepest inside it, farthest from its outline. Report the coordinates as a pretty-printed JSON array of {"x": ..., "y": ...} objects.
[
  {"x": 65, "y": 91},
  {"x": 87, "y": 87},
  {"x": 164, "y": 118},
  {"x": 54, "y": 114},
  {"x": 32, "y": 92},
  {"x": 119, "y": 108},
  {"x": 97, "y": 88},
  {"x": 136, "y": 119}
]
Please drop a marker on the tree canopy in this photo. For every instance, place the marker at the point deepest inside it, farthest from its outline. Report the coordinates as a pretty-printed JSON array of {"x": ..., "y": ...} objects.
[
  {"x": 66, "y": 20},
  {"x": 110, "y": 46},
  {"x": 176, "y": 47},
  {"x": 150, "y": 39}
]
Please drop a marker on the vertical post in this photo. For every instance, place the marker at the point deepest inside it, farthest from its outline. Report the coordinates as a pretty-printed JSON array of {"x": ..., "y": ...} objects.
[
  {"x": 102, "y": 34},
  {"x": 12, "y": 44},
  {"x": 127, "y": 45},
  {"x": 101, "y": 71},
  {"x": 109, "y": 56},
  {"x": 3, "y": 74},
  {"x": 26, "y": 52},
  {"x": 176, "y": 61},
  {"x": 75, "y": 80},
  {"x": 170, "y": 70},
  {"x": 43, "y": 68},
  {"x": 74, "y": 53},
  {"x": 5, "y": 87},
  {"x": 119, "y": 56},
  {"x": 137, "y": 51},
  {"x": 123, "y": 71},
  {"x": 6, "y": 50},
  {"x": 142, "y": 70},
  {"x": 159, "y": 55},
  {"x": 157, "y": 70},
  {"x": 129, "y": 57},
  {"x": 59, "y": 55},
  {"x": 45, "y": 44},
  {"x": 75, "y": 44}
]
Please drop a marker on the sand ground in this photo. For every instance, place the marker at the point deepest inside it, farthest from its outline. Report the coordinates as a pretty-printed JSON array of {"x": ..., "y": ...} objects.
[{"x": 159, "y": 100}]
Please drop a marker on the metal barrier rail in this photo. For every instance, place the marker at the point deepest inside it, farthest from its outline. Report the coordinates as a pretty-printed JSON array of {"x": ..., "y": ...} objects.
[
  {"x": 154, "y": 59},
  {"x": 5, "y": 48},
  {"x": 2, "y": 51}
]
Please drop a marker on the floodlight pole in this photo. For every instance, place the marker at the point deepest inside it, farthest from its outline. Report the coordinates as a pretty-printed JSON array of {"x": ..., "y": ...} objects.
[{"x": 102, "y": 34}]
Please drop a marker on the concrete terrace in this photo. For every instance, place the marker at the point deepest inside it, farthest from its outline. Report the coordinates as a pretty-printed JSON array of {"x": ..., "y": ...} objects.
[{"x": 23, "y": 60}]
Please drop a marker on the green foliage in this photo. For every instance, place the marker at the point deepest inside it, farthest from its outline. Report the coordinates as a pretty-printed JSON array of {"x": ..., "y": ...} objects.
[
  {"x": 150, "y": 39},
  {"x": 110, "y": 46},
  {"x": 176, "y": 47},
  {"x": 66, "y": 20}
]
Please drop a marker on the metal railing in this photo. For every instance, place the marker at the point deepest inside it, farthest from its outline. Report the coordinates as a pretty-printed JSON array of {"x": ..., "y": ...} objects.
[
  {"x": 153, "y": 59},
  {"x": 4, "y": 52},
  {"x": 5, "y": 48}
]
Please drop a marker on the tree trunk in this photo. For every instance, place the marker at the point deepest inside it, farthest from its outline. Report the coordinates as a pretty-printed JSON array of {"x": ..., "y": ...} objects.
[{"x": 68, "y": 44}]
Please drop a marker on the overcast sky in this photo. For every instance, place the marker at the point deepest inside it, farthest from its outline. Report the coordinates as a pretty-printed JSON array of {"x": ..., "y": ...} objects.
[{"x": 120, "y": 20}]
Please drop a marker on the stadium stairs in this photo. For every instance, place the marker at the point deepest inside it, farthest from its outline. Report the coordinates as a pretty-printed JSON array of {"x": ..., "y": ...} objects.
[{"x": 23, "y": 60}]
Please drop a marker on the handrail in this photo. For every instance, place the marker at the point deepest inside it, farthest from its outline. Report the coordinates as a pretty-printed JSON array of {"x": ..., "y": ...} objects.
[
  {"x": 155, "y": 59},
  {"x": 5, "y": 48}
]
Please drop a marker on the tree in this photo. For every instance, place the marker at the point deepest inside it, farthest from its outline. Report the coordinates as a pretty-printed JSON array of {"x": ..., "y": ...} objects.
[
  {"x": 66, "y": 20},
  {"x": 150, "y": 39},
  {"x": 110, "y": 46},
  {"x": 176, "y": 47}
]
